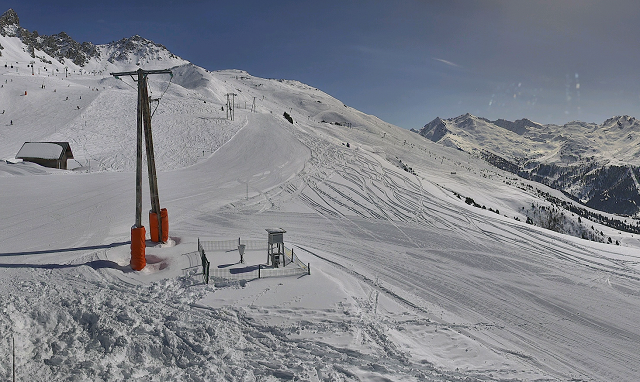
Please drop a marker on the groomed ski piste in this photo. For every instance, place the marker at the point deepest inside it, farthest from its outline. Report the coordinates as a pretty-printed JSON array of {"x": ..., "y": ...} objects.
[{"x": 408, "y": 282}]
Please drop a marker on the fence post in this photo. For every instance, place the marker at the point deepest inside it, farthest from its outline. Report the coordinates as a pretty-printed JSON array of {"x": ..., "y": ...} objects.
[
  {"x": 13, "y": 363},
  {"x": 205, "y": 263},
  {"x": 309, "y": 268}
]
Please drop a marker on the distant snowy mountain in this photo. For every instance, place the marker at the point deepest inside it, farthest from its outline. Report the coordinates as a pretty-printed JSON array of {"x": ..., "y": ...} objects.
[
  {"x": 61, "y": 50},
  {"x": 597, "y": 164}
]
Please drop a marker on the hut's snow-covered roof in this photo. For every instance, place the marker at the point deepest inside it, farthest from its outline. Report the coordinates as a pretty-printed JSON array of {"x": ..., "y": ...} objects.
[{"x": 42, "y": 150}]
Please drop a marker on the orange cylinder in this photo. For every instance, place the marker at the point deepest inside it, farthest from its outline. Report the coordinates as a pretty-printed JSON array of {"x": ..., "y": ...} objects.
[
  {"x": 138, "y": 246},
  {"x": 153, "y": 225},
  {"x": 164, "y": 215}
]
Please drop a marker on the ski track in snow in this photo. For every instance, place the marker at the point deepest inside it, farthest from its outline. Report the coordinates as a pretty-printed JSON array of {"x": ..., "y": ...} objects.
[
  {"x": 428, "y": 288},
  {"x": 79, "y": 323},
  {"x": 352, "y": 200}
]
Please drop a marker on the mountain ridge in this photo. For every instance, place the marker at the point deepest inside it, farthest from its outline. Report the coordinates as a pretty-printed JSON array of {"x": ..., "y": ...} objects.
[
  {"x": 63, "y": 50},
  {"x": 594, "y": 163}
]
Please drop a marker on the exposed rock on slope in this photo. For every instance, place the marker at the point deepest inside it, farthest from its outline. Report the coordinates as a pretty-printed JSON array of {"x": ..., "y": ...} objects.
[{"x": 134, "y": 50}]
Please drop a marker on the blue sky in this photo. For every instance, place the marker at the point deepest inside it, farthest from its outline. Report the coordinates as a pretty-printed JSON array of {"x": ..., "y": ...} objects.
[{"x": 405, "y": 61}]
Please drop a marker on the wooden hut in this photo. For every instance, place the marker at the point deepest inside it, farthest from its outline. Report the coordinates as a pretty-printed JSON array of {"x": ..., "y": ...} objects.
[{"x": 47, "y": 154}]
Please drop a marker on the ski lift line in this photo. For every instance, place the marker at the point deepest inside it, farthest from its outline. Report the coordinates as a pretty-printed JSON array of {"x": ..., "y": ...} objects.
[
  {"x": 118, "y": 76},
  {"x": 129, "y": 85},
  {"x": 162, "y": 95}
]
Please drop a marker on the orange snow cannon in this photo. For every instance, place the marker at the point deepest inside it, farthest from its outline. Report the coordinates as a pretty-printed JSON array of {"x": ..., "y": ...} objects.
[
  {"x": 138, "y": 246},
  {"x": 153, "y": 224}
]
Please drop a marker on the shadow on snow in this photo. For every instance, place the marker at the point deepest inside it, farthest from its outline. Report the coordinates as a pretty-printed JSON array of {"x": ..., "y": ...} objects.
[
  {"x": 47, "y": 251},
  {"x": 95, "y": 264}
]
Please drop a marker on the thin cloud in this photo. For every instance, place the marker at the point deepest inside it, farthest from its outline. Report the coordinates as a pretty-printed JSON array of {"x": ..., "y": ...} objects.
[{"x": 448, "y": 62}]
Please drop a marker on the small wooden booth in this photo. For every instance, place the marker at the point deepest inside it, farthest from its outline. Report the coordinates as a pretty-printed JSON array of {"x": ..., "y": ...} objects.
[
  {"x": 47, "y": 154},
  {"x": 275, "y": 249}
]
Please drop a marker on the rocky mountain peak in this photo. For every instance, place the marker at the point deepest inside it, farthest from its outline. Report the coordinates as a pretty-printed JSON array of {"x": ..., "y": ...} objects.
[
  {"x": 10, "y": 17},
  {"x": 620, "y": 121},
  {"x": 436, "y": 121},
  {"x": 135, "y": 47},
  {"x": 134, "y": 50},
  {"x": 61, "y": 46},
  {"x": 9, "y": 23},
  {"x": 434, "y": 130},
  {"x": 135, "y": 43},
  {"x": 519, "y": 126}
]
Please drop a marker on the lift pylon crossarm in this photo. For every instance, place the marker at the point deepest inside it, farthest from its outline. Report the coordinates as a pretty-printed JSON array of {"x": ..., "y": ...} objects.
[{"x": 159, "y": 71}]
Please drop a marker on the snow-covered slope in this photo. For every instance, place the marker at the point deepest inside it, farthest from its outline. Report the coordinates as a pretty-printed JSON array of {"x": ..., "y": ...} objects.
[{"x": 409, "y": 281}]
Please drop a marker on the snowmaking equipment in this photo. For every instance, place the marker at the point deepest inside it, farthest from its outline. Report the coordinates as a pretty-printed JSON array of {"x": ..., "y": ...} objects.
[{"x": 158, "y": 218}]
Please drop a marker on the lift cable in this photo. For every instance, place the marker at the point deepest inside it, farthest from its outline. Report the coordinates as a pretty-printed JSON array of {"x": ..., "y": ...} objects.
[{"x": 162, "y": 95}]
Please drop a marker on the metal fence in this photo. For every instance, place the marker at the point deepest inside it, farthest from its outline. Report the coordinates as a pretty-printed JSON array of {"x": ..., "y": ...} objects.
[
  {"x": 258, "y": 273},
  {"x": 281, "y": 272},
  {"x": 224, "y": 245},
  {"x": 247, "y": 273},
  {"x": 294, "y": 259},
  {"x": 230, "y": 245},
  {"x": 226, "y": 274},
  {"x": 205, "y": 263}
]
